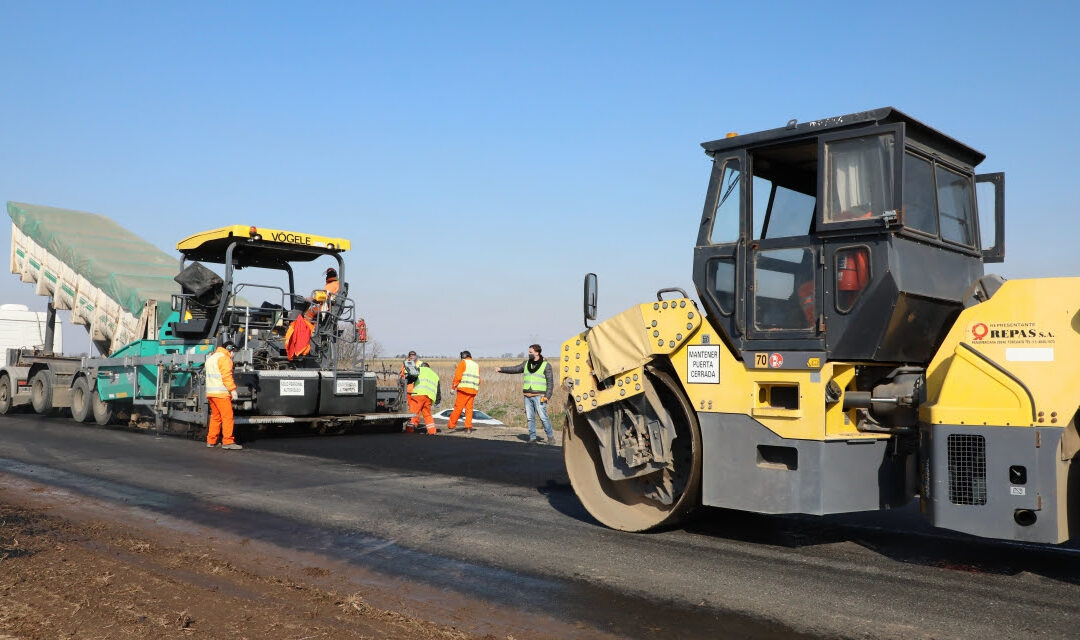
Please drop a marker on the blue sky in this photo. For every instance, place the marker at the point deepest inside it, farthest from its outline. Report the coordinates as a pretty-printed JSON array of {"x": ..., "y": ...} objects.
[{"x": 482, "y": 156}]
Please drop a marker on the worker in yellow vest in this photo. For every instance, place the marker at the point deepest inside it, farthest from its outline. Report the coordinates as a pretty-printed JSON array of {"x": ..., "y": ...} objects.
[
  {"x": 467, "y": 384},
  {"x": 220, "y": 392},
  {"x": 425, "y": 393},
  {"x": 537, "y": 385}
]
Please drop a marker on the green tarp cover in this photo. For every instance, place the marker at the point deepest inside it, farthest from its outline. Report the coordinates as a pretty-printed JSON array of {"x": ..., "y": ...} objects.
[{"x": 127, "y": 268}]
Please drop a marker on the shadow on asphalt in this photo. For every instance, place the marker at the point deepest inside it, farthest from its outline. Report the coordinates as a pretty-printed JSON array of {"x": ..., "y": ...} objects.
[
  {"x": 901, "y": 536},
  {"x": 507, "y": 462}
]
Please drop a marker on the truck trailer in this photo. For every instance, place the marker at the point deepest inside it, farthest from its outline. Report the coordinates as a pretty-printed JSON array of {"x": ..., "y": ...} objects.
[{"x": 155, "y": 319}]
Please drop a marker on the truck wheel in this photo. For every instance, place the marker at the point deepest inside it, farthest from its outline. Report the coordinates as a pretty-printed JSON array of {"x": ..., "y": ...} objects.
[
  {"x": 5, "y": 395},
  {"x": 649, "y": 501},
  {"x": 103, "y": 411},
  {"x": 41, "y": 391},
  {"x": 80, "y": 400}
]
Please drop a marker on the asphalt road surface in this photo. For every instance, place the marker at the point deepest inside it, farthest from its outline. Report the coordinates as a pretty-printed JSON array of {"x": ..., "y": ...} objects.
[{"x": 495, "y": 522}]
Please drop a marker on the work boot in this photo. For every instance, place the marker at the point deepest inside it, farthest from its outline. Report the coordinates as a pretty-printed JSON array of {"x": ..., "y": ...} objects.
[
  {"x": 468, "y": 431},
  {"x": 532, "y": 441},
  {"x": 211, "y": 445},
  {"x": 409, "y": 430},
  {"x": 432, "y": 431},
  {"x": 232, "y": 447}
]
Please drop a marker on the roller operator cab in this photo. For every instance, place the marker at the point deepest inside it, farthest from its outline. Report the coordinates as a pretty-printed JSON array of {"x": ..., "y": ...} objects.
[{"x": 852, "y": 355}]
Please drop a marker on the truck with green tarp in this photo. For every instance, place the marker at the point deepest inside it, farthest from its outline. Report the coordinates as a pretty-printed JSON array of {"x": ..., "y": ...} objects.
[{"x": 154, "y": 318}]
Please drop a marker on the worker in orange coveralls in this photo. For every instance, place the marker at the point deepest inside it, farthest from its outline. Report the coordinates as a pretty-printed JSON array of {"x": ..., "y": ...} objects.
[
  {"x": 425, "y": 393},
  {"x": 220, "y": 392},
  {"x": 410, "y": 371},
  {"x": 298, "y": 336},
  {"x": 467, "y": 384}
]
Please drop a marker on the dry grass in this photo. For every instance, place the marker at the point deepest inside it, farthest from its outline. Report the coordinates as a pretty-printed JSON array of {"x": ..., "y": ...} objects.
[{"x": 500, "y": 393}]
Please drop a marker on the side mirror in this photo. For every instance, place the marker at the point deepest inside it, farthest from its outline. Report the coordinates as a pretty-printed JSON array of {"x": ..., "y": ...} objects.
[
  {"x": 177, "y": 302},
  {"x": 590, "y": 298}
]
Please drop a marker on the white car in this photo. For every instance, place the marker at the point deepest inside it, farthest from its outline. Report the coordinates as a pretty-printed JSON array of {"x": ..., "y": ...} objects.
[{"x": 478, "y": 417}]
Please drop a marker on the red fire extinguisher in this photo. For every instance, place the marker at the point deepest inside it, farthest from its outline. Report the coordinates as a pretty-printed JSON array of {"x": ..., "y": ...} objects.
[{"x": 361, "y": 330}]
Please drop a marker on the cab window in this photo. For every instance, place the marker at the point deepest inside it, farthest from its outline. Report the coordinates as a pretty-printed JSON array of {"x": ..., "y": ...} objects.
[
  {"x": 725, "y": 226},
  {"x": 784, "y": 289},
  {"x": 919, "y": 210},
  {"x": 938, "y": 200},
  {"x": 784, "y": 190},
  {"x": 955, "y": 206},
  {"x": 859, "y": 177}
]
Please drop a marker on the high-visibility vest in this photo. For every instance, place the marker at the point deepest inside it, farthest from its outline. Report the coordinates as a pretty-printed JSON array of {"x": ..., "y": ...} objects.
[
  {"x": 215, "y": 384},
  {"x": 427, "y": 384},
  {"x": 534, "y": 382},
  {"x": 470, "y": 378}
]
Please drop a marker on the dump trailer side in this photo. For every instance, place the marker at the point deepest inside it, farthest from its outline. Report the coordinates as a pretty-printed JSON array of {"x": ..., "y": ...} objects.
[{"x": 89, "y": 265}]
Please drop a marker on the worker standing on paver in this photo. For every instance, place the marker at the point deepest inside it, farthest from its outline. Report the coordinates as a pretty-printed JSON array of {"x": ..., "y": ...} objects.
[
  {"x": 537, "y": 384},
  {"x": 467, "y": 384},
  {"x": 425, "y": 393},
  {"x": 220, "y": 392},
  {"x": 298, "y": 336},
  {"x": 332, "y": 284}
]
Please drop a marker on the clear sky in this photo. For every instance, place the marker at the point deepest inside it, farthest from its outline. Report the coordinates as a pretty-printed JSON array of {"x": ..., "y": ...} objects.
[{"x": 482, "y": 156}]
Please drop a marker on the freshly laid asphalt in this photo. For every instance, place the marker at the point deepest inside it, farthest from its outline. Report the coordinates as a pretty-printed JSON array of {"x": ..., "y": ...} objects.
[{"x": 495, "y": 520}]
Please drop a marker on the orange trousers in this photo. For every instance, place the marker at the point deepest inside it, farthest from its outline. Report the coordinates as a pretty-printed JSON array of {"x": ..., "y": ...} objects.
[
  {"x": 463, "y": 402},
  {"x": 221, "y": 421},
  {"x": 421, "y": 407}
]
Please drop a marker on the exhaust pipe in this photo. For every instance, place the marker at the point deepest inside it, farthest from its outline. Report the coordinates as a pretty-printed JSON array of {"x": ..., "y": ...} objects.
[{"x": 1025, "y": 517}]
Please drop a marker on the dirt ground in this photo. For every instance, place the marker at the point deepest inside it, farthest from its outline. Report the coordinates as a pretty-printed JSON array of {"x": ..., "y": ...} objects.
[{"x": 66, "y": 574}]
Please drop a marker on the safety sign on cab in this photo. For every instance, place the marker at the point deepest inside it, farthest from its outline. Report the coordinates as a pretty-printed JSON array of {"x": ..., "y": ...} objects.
[{"x": 703, "y": 364}]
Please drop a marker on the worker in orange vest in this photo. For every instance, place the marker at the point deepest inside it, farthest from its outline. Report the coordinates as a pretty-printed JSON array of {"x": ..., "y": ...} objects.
[
  {"x": 467, "y": 384},
  {"x": 425, "y": 393},
  {"x": 220, "y": 392},
  {"x": 332, "y": 284}
]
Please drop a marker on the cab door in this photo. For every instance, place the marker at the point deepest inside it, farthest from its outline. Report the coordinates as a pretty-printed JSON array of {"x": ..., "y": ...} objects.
[
  {"x": 782, "y": 272},
  {"x": 719, "y": 253}
]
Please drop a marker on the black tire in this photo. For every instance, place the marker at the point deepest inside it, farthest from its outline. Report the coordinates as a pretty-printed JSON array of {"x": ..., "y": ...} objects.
[
  {"x": 41, "y": 391},
  {"x": 103, "y": 411},
  {"x": 81, "y": 400},
  {"x": 631, "y": 504},
  {"x": 5, "y": 395}
]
